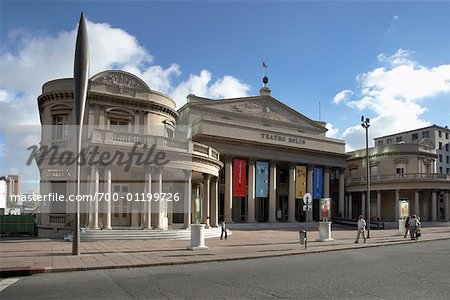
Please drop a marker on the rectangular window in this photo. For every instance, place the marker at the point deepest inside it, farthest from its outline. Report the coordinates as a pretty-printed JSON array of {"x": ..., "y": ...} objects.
[
  {"x": 440, "y": 157},
  {"x": 440, "y": 170},
  {"x": 447, "y": 159},
  {"x": 440, "y": 133},
  {"x": 60, "y": 127},
  {"x": 440, "y": 146},
  {"x": 446, "y": 135},
  {"x": 118, "y": 125},
  {"x": 426, "y": 134},
  {"x": 446, "y": 147},
  {"x": 389, "y": 141},
  {"x": 399, "y": 139},
  {"x": 380, "y": 143},
  {"x": 414, "y": 137},
  {"x": 448, "y": 170}
]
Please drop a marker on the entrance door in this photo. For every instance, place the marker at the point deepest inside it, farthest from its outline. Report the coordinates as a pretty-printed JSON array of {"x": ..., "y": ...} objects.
[
  {"x": 121, "y": 214},
  {"x": 262, "y": 209},
  {"x": 282, "y": 209},
  {"x": 425, "y": 216}
]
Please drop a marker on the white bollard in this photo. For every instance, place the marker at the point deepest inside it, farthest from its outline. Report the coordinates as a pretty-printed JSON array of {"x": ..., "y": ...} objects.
[
  {"x": 324, "y": 232},
  {"x": 197, "y": 237}
]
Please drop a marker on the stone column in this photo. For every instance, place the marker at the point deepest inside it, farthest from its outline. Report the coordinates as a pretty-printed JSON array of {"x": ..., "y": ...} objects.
[
  {"x": 206, "y": 199},
  {"x": 228, "y": 190},
  {"x": 251, "y": 192},
  {"x": 273, "y": 192},
  {"x": 108, "y": 187},
  {"x": 326, "y": 182},
  {"x": 93, "y": 220},
  {"x": 187, "y": 198},
  {"x": 363, "y": 206},
  {"x": 214, "y": 202},
  {"x": 379, "y": 205},
  {"x": 417, "y": 203},
  {"x": 397, "y": 205},
  {"x": 433, "y": 206},
  {"x": 341, "y": 191},
  {"x": 350, "y": 208},
  {"x": 148, "y": 203},
  {"x": 446, "y": 206},
  {"x": 161, "y": 204},
  {"x": 291, "y": 199}
]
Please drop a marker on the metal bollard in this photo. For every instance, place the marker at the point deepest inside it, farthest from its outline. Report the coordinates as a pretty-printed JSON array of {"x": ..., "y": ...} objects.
[{"x": 302, "y": 236}]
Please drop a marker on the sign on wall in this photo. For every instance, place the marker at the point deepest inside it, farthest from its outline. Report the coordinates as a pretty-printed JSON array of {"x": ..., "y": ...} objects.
[
  {"x": 240, "y": 177},
  {"x": 262, "y": 179},
  {"x": 300, "y": 181},
  {"x": 318, "y": 183}
]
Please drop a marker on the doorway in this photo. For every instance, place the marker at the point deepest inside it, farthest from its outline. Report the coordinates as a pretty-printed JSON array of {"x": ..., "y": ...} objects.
[{"x": 121, "y": 212}]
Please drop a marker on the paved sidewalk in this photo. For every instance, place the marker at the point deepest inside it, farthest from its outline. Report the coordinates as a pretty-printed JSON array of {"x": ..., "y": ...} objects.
[{"x": 35, "y": 255}]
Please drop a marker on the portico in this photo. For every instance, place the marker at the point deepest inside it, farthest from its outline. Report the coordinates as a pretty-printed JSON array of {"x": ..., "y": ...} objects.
[{"x": 262, "y": 135}]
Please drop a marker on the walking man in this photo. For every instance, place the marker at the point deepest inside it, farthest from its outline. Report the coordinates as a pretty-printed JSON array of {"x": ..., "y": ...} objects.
[
  {"x": 361, "y": 229},
  {"x": 413, "y": 224},
  {"x": 224, "y": 230}
]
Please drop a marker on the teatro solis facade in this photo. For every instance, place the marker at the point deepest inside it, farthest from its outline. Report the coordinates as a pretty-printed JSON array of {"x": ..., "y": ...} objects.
[
  {"x": 272, "y": 156},
  {"x": 247, "y": 159},
  {"x": 123, "y": 118}
]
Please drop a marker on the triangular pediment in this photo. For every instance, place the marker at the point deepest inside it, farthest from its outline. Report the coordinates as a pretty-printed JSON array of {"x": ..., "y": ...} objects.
[{"x": 261, "y": 107}]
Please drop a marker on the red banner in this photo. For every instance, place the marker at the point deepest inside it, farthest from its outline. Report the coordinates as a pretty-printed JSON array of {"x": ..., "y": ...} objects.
[{"x": 240, "y": 177}]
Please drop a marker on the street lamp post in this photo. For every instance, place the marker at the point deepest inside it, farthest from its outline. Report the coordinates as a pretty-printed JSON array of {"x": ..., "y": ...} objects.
[{"x": 365, "y": 123}]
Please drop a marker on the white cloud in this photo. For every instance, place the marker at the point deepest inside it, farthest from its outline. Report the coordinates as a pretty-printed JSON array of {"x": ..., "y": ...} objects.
[
  {"x": 200, "y": 85},
  {"x": 394, "y": 96},
  {"x": 39, "y": 57},
  {"x": 342, "y": 96},
  {"x": 400, "y": 58},
  {"x": 332, "y": 132}
]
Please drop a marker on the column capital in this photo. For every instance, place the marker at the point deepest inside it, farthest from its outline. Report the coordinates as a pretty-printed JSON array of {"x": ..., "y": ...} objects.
[
  {"x": 251, "y": 161},
  {"x": 206, "y": 176},
  {"x": 187, "y": 173},
  {"x": 228, "y": 158},
  {"x": 152, "y": 169}
]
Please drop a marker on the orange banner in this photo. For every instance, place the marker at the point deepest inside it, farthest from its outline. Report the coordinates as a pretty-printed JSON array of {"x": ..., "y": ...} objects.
[{"x": 300, "y": 181}]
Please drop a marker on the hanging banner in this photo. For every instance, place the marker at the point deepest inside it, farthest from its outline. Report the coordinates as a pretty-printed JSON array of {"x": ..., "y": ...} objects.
[
  {"x": 262, "y": 179},
  {"x": 300, "y": 181},
  {"x": 318, "y": 183},
  {"x": 240, "y": 177}
]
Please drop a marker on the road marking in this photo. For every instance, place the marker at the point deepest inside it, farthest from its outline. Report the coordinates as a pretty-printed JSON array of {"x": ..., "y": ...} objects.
[{"x": 7, "y": 282}]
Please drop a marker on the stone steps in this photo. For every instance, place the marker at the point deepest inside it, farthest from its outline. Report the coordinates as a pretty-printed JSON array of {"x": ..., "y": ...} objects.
[{"x": 139, "y": 234}]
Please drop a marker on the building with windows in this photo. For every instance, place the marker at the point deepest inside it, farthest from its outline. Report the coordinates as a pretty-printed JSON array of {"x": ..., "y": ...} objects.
[
  {"x": 438, "y": 137},
  {"x": 247, "y": 159},
  {"x": 262, "y": 141},
  {"x": 403, "y": 179},
  {"x": 124, "y": 119}
]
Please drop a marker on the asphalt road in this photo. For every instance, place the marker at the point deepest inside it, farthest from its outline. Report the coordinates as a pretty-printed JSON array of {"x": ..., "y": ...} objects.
[{"x": 409, "y": 271}]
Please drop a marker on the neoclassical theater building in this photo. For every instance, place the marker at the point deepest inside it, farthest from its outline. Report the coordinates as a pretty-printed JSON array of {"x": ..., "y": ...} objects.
[
  {"x": 400, "y": 174},
  {"x": 247, "y": 159}
]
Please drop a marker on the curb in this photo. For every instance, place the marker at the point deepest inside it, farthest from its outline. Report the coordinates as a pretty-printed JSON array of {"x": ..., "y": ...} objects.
[
  {"x": 116, "y": 267},
  {"x": 20, "y": 271}
]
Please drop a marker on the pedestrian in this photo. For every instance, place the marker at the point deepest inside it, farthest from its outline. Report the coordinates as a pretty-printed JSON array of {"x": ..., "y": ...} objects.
[
  {"x": 361, "y": 229},
  {"x": 418, "y": 228},
  {"x": 413, "y": 227},
  {"x": 407, "y": 226},
  {"x": 224, "y": 230}
]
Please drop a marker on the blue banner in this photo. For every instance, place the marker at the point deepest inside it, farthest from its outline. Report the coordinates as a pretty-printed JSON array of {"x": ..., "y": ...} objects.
[
  {"x": 262, "y": 179},
  {"x": 318, "y": 183}
]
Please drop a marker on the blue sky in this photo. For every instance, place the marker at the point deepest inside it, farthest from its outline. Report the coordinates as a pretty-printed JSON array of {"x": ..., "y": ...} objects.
[{"x": 388, "y": 60}]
